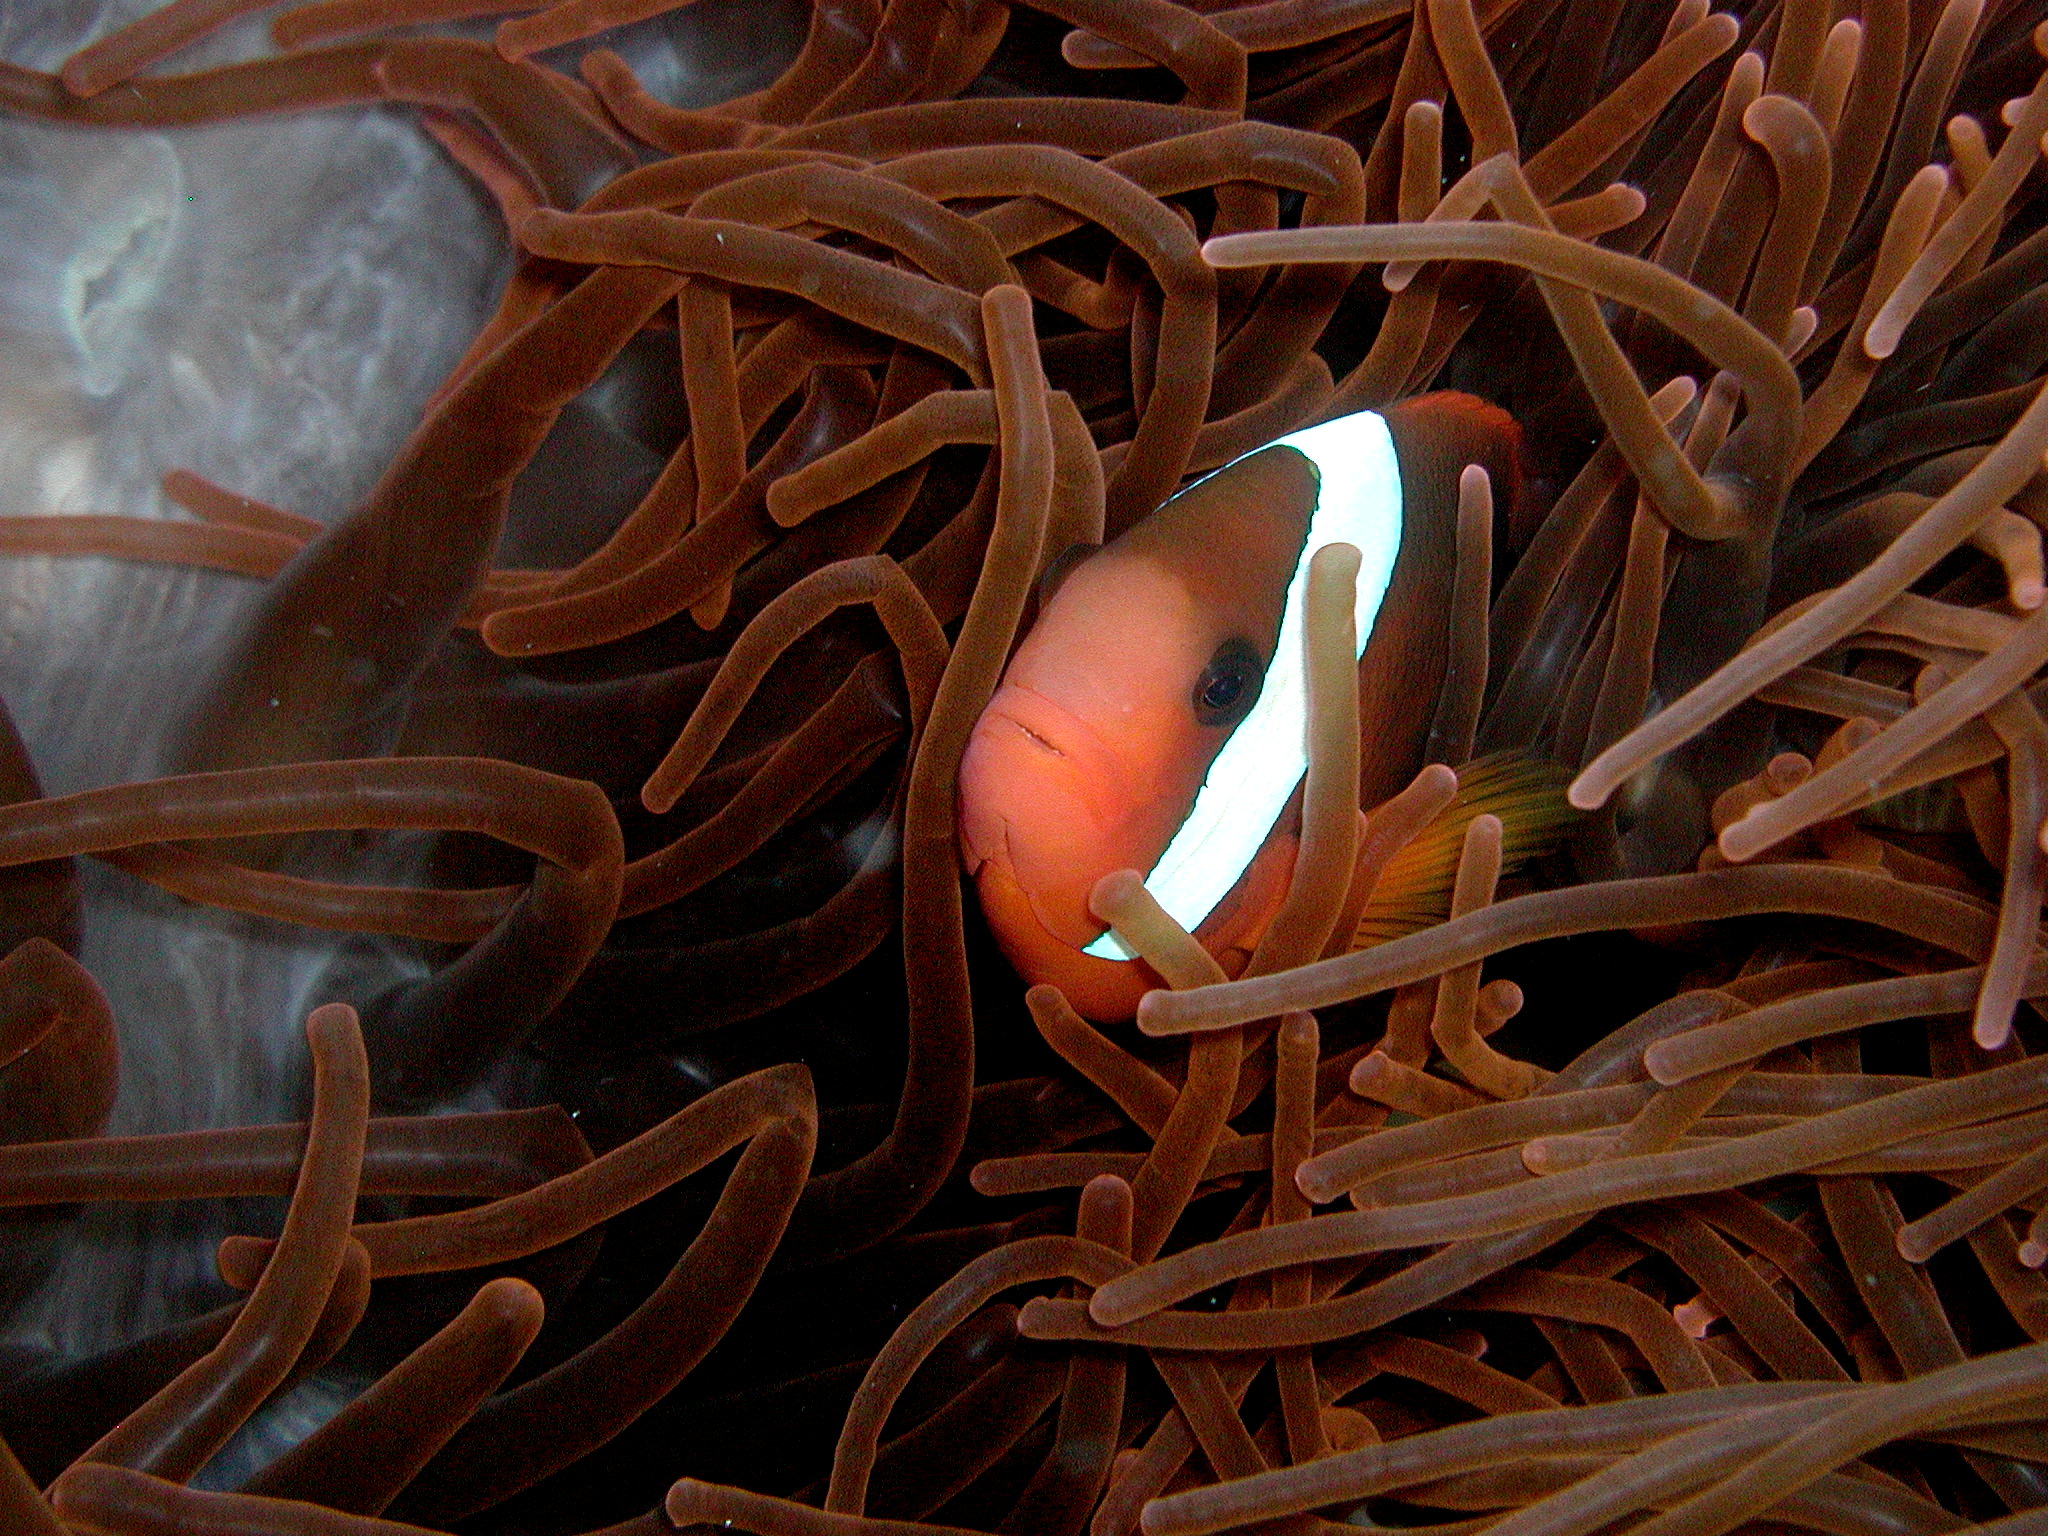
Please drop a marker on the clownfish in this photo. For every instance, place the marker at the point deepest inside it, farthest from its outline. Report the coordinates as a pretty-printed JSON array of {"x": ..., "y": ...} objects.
[{"x": 1153, "y": 717}]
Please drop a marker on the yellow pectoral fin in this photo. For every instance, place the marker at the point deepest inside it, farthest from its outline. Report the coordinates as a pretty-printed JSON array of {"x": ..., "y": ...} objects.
[{"x": 1527, "y": 794}]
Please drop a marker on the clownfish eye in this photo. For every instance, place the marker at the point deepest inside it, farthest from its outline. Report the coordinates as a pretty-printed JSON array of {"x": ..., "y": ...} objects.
[{"x": 1229, "y": 685}]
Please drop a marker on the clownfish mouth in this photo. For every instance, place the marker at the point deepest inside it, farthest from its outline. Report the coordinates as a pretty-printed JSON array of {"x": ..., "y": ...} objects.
[
  {"x": 1035, "y": 739},
  {"x": 1075, "y": 771},
  {"x": 1049, "y": 727}
]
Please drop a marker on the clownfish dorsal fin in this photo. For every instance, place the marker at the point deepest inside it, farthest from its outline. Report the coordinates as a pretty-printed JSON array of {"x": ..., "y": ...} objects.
[{"x": 1526, "y": 792}]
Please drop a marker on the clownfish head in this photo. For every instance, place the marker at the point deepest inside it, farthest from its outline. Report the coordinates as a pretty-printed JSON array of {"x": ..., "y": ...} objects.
[{"x": 1154, "y": 716}]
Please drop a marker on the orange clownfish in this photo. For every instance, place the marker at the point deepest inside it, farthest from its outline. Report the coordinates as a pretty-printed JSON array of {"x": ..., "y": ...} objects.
[{"x": 1153, "y": 718}]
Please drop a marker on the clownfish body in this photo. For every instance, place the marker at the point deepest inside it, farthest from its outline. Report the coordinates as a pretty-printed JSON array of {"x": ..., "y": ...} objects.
[{"x": 1104, "y": 748}]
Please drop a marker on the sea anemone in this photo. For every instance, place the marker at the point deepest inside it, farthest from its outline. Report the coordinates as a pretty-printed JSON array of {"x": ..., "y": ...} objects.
[{"x": 680, "y": 1153}]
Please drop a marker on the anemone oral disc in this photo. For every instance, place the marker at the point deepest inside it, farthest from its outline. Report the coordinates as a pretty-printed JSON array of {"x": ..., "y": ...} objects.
[{"x": 1358, "y": 502}]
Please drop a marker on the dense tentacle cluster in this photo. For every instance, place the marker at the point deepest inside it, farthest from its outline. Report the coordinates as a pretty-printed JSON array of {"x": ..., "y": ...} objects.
[{"x": 1421, "y": 1228}]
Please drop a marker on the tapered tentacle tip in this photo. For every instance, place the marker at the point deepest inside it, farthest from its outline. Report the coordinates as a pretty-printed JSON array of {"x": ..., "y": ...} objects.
[
  {"x": 1110, "y": 1306},
  {"x": 1759, "y": 115},
  {"x": 513, "y": 1303},
  {"x": 1435, "y": 780},
  {"x": 1106, "y": 1199},
  {"x": 1694, "y": 1317},
  {"x": 2033, "y": 1254},
  {"x": 1881, "y": 336},
  {"x": 686, "y": 1500},
  {"x": 1156, "y": 1013},
  {"x": 1913, "y": 1246},
  {"x": 240, "y": 1260},
  {"x": 1799, "y": 329},
  {"x": 81, "y": 1492},
  {"x": 1666, "y": 1068},
  {"x": 1744, "y": 839},
  {"x": 1299, "y": 1032},
  {"x": 1084, "y": 50},
  {"x": 1035, "y": 1319},
  {"x": 1114, "y": 892},
  {"x": 1991, "y": 1027},
  {"x": 538, "y": 230},
  {"x": 1588, "y": 792},
  {"x": 500, "y": 634},
  {"x": 1227, "y": 251},
  {"x": 1006, "y": 303},
  {"x": 81, "y": 79},
  {"x": 1336, "y": 564},
  {"x": 333, "y": 1026}
]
